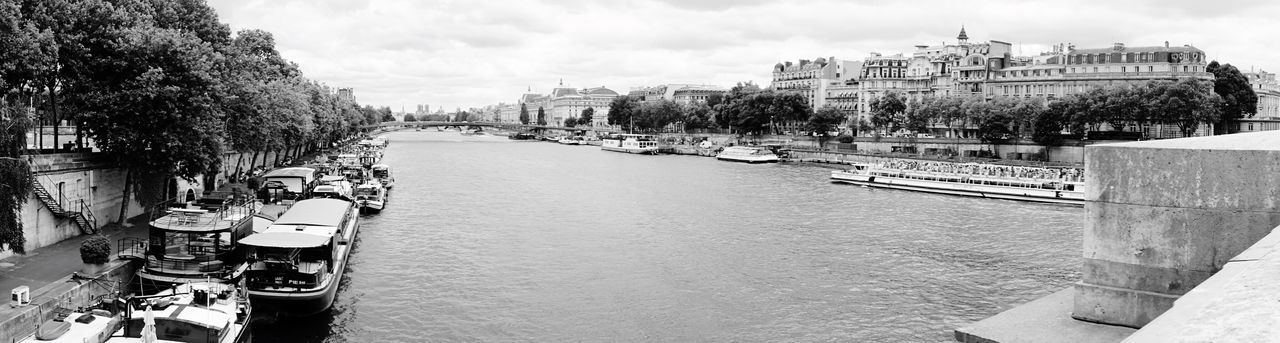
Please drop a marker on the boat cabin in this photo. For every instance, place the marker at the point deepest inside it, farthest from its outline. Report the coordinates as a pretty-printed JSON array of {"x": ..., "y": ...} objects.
[
  {"x": 200, "y": 313},
  {"x": 299, "y": 250},
  {"x": 297, "y": 181},
  {"x": 194, "y": 241},
  {"x": 381, "y": 171}
]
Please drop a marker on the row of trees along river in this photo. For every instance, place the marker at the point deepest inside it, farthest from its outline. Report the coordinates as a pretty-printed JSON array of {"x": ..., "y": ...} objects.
[
  {"x": 746, "y": 109},
  {"x": 161, "y": 86},
  {"x": 1186, "y": 104}
]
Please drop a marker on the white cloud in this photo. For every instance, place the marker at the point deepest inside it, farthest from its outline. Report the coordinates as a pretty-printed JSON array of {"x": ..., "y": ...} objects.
[{"x": 473, "y": 53}]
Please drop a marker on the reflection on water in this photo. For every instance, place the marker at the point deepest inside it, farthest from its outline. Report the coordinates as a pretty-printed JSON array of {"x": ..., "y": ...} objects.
[{"x": 486, "y": 239}]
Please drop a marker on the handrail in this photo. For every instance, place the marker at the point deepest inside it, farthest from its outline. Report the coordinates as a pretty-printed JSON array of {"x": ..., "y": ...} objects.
[
  {"x": 236, "y": 202},
  {"x": 87, "y": 212}
]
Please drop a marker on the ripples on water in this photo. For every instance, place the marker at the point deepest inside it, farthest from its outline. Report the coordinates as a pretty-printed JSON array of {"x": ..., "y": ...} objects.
[{"x": 486, "y": 239}]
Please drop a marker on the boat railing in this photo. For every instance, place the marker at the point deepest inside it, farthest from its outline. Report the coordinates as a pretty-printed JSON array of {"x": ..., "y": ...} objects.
[
  {"x": 189, "y": 262},
  {"x": 969, "y": 175},
  {"x": 220, "y": 205}
]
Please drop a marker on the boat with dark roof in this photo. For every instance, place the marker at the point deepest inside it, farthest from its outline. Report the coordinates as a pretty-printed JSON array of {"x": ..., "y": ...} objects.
[{"x": 297, "y": 262}]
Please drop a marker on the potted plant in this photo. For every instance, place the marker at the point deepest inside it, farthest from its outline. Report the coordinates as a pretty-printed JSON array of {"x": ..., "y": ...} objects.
[{"x": 95, "y": 252}]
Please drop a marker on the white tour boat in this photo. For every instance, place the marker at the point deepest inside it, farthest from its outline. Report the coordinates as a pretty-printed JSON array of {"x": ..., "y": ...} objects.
[
  {"x": 297, "y": 262},
  {"x": 969, "y": 179},
  {"x": 635, "y": 144},
  {"x": 749, "y": 154},
  {"x": 198, "y": 312},
  {"x": 371, "y": 196}
]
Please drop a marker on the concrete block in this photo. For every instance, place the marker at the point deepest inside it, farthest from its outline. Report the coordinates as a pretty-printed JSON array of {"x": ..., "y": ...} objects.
[
  {"x": 1044, "y": 320},
  {"x": 1163, "y": 216},
  {"x": 1118, "y": 306}
]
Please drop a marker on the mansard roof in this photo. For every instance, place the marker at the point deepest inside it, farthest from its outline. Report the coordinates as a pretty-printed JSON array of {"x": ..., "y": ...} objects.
[{"x": 1137, "y": 49}]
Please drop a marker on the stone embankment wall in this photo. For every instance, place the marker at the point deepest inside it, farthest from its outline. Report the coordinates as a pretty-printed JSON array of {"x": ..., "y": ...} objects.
[
  {"x": 1163, "y": 216},
  {"x": 1071, "y": 152},
  {"x": 68, "y": 293},
  {"x": 77, "y": 177}
]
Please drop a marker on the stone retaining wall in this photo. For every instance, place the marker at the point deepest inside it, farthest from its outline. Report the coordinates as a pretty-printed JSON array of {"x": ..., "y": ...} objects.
[{"x": 69, "y": 293}]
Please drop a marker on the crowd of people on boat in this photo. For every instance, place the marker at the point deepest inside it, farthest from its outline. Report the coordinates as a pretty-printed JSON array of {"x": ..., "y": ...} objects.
[{"x": 1038, "y": 173}]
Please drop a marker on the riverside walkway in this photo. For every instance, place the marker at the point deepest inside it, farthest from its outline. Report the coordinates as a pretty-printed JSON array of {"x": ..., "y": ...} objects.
[{"x": 40, "y": 267}]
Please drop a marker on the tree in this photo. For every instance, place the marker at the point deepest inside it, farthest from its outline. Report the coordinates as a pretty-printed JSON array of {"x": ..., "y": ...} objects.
[
  {"x": 410, "y": 118},
  {"x": 993, "y": 126},
  {"x": 697, "y": 116},
  {"x": 886, "y": 110},
  {"x": 386, "y": 117},
  {"x": 1187, "y": 104},
  {"x": 587, "y": 116},
  {"x": 738, "y": 108},
  {"x": 714, "y": 99},
  {"x": 621, "y": 110},
  {"x": 653, "y": 116},
  {"x": 1238, "y": 97},
  {"x": 950, "y": 112},
  {"x": 570, "y": 122},
  {"x": 524, "y": 114},
  {"x": 542, "y": 116},
  {"x": 15, "y": 176},
  {"x": 787, "y": 108},
  {"x": 150, "y": 97},
  {"x": 822, "y": 122},
  {"x": 1046, "y": 127},
  {"x": 919, "y": 114}
]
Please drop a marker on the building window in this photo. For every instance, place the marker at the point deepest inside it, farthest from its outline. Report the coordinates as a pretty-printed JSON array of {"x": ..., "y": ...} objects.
[
  {"x": 1123, "y": 69},
  {"x": 1150, "y": 69}
]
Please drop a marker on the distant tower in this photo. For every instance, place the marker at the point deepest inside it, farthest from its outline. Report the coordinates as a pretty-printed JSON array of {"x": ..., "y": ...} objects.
[
  {"x": 963, "y": 37},
  {"x": 346, "y": 93}
]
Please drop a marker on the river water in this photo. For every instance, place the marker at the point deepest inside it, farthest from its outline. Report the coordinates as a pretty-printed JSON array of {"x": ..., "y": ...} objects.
[{"x": 486, "y": 239}]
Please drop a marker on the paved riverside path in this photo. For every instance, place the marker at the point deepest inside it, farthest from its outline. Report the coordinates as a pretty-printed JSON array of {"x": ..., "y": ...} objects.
[{"x": 40, "y": 267}]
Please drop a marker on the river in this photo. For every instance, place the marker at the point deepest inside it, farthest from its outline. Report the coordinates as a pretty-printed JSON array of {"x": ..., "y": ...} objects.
[{"x": 486, "y": 239}]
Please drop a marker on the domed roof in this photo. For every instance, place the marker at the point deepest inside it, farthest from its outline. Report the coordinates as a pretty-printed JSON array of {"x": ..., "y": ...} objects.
[{"x": 600, "y": 91}]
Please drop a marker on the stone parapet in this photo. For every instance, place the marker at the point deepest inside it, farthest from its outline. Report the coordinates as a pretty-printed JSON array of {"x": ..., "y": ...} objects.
[
  {"x": 70, "y": 292},
  {"x": 1163, "y": 216}
]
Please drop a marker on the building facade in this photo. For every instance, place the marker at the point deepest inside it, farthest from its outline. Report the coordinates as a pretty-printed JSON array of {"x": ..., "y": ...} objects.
[
  {"x": 1268, "y": 91},
  {"x": 677, "y": 92},
  {"x": 562, "y": 103},
  {"x": 810, "y": 78}
]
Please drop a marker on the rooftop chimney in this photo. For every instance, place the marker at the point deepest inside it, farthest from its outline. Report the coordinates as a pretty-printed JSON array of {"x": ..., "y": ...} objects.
[
  {"x": 1119, "y": 46},
  {"x": 1166, "y": 44}
]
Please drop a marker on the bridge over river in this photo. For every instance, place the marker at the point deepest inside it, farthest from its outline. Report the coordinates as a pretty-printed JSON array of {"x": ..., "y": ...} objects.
[{"x": 539, "y": 129}]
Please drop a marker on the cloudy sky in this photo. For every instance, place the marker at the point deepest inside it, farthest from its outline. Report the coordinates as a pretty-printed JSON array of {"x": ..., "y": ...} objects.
[{"x": 474, "y": 53}]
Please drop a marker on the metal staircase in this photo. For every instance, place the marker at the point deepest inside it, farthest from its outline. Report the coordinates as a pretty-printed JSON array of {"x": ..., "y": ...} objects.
[{"x": 82, "y": 214}]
